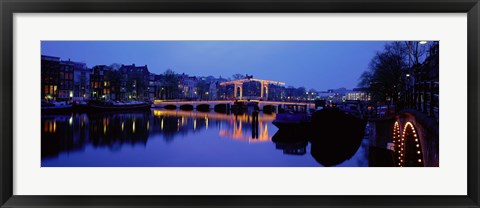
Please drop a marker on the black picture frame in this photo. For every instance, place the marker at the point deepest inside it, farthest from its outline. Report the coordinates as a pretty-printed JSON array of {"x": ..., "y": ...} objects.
[{"x": 10, "y": 7}]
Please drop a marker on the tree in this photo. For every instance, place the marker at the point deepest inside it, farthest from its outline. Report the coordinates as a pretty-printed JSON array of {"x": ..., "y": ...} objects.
[
  {"x": 238, "y": 76},
  {"x": 115, "y": 66},
  {"x": 385, "y": 79},
  {"x": 415, "y": 51},
  {"x": 170, "y": 84}
]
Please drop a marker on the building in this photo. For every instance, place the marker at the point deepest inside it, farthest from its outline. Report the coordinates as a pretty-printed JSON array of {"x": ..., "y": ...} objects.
[
  {"x": 325, "y": 95},
  {"x": 65, "y": 81},
  {"x": 358, "y": 94},
  {"x": 136, "y": 82},
  {"x": 50, "y": 68},
  {"x": 188, "y": 86},
  {"x": 81, "y": 81},
  {"x": 212, "y": 90},
  {"x": 99, "y": 86}
]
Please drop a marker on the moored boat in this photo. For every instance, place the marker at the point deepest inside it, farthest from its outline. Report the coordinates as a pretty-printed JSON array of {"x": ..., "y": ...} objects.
[
  {"x": 336, "y": 136},
  {"x": 55, "y": 107},
  {"x": 292, "y": 116},
  {"x": 108, "y": 106}
]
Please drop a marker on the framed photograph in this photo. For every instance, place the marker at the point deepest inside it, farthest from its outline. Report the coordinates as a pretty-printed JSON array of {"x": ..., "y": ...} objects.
[{"x": 239, "y": 103}]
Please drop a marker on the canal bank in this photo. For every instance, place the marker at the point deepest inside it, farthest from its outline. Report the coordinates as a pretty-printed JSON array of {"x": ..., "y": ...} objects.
[
  {"x": 410, "y": 138},
  {"x": 380, "y": 139}
]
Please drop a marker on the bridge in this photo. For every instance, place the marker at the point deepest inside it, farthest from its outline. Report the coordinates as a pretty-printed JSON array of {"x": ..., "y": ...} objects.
[
  {"x": 238, "y": 86},
  {"x": 416, "y": 140},
  {"x": 411, "y": 136},
  {"x": 211, "y": 104}
]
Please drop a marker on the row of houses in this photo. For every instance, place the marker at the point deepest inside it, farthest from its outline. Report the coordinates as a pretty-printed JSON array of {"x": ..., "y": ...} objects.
[{"x": 66, "y": 80}]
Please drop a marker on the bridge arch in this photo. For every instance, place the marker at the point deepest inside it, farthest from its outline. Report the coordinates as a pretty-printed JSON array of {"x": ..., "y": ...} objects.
[
  {"x": 221, "y": 108},
  {"x": 187, "y": 107},
  {"x": 203, "y": 107},
  {"x": 238, "y": 85},
  {"x": 238, "y": 92},
  {"x": 397, "y": 139},
  {"x": 408, "y": 150},
  {"x": 269, "y": 108},
  {"x": 264, "y": 92},
  {"x": 170, "y": 107},
  {"x": 421, "y": 139}
]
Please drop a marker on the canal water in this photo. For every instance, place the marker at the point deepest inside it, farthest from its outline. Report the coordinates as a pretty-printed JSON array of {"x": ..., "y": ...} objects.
[{"x": 176, "y": 138}]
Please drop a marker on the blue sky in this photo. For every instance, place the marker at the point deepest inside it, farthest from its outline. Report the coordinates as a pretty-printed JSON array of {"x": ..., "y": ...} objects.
[{"x": 320, "y": 65}]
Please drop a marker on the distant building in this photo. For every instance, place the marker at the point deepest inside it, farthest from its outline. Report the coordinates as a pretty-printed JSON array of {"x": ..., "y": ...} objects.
[
  {"x": 276, "y": 92},
  {"x": 339, "y": 95},
  {"x": 212, "y": 90},
  {"x": 358, "y": 94},
  {"x": 325, "y": 95},
  {"x": 187, "y": 86}
]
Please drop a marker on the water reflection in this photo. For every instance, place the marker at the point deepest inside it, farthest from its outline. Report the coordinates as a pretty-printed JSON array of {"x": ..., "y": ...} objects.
[
  {"x": 167, "y": 138},
  {"x": 231, "y": 126},
  {"x": 291, "y": 142}
]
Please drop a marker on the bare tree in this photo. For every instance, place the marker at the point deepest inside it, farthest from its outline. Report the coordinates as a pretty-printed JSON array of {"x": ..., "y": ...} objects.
[
  {"x": 385, "y": 79},
  {"x": 238, "y": 76}
]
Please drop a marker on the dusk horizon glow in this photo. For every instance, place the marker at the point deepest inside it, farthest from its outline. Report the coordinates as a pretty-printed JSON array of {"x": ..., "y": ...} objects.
[{"x": 320, "y": 65}]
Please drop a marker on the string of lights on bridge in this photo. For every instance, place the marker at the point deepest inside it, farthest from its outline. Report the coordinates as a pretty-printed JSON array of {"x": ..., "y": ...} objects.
[{"x": 400, "y": 141}]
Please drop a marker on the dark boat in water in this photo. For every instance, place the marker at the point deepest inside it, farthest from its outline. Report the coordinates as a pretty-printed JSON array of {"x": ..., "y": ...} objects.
[
  {"x": 335, "y": 136},
  {"x": 55, "y": 108},
  {"x": 105, "y": 106},
  {"x": 292, "y": 116},
  {"x": 292, "y": 143}
]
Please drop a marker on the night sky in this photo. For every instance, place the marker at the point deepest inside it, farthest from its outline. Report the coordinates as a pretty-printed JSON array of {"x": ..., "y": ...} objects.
[{"x": 320, "y": 65}]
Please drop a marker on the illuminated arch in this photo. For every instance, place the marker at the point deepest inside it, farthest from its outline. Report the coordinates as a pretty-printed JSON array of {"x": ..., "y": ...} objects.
[
  {"x": 397, "y": 144},
  {"x": 407, "y": 147},
  {"x": 238, "y": 91}
]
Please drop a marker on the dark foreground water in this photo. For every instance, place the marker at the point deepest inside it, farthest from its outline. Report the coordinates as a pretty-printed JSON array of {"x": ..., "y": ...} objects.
[{"x": 169, "y": 138}]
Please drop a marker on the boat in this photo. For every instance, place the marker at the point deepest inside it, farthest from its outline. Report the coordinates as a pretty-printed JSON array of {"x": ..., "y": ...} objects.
[
  {"x": 292, "y": 116},
  {"x": 54, "y": 107},
  {"x": 352, "y": 107},
  {"x": 336, "y": 136},
  {"x": 109, "y": 106}
]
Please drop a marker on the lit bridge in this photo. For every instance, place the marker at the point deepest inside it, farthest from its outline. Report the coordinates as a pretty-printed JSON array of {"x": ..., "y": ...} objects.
[
  {"x": 415, "y": 140},
  {"x": 210, "y": 104},
  {"x": 411, "y": 135},
  {"x": 238, "y": 86}
]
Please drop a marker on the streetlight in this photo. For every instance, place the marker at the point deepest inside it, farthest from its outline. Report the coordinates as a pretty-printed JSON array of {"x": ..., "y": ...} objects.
[{"x": 422, "y": 42}]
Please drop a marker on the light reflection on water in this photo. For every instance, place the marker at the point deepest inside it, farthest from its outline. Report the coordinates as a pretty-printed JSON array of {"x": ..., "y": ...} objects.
[{"x": 170, "y": 138}]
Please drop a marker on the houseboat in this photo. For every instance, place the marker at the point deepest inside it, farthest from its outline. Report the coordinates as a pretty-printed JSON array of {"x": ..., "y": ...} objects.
[
  {"x": 54, "y": 107},
  {"x": 110, "y": 106},
  {"x": 292, "y": 116}
]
